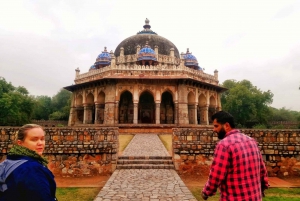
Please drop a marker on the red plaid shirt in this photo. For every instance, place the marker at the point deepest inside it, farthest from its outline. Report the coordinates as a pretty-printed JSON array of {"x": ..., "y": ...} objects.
[{"x": 238, "y": 169}]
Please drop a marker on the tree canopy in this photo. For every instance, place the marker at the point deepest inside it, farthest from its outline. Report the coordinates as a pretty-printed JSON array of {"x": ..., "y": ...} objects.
[
  {"x": 16, "y": 106},
  {"x": 246, "y": 102}
]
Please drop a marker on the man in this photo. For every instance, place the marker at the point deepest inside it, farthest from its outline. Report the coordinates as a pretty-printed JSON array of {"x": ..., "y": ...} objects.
[{"x": 238, "y": 168}]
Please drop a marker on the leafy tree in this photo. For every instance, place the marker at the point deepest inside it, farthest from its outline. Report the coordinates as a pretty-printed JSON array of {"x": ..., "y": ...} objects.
[
  {"x": 61, "y": 105},
  {"x": 42, "y": 108},
  {"x": 16, "y": 106},
  {"x": 246, "y": 102}
]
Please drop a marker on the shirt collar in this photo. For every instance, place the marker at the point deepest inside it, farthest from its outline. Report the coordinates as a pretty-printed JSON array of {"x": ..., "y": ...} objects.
[{"x": 233, "y": 131}]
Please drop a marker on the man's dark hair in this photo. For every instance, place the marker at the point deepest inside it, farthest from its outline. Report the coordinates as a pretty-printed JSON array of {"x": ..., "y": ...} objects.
[{"x": 222, "y": 117}]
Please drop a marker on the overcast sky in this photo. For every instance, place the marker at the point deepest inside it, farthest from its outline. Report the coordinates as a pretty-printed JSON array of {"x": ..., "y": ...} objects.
[{"x": 43, "y": 42}]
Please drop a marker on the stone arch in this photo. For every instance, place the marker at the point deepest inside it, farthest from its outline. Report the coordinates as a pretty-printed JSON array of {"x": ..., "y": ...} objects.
[
  {"x": 201, "y": 108},
  {"x": 191, "y": 107},
  {"x": 100, "y": 108},
  {"x": 90, "y": 109},
  {"x": 171, "y": 92},
  {"x": 167, "y": 110},
  {"x": 79, "y": 100},
  {"x": 126, "y": 107},
  {"x": 146, "y": 108},
  {"x": 212, "y": 108}
]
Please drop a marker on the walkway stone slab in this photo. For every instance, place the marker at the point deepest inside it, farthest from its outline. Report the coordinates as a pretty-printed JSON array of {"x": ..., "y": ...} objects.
[{"x": 145, "y": 184}]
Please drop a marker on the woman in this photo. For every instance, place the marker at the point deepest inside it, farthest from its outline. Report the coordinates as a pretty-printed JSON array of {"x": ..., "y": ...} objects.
[{"x": 24, "y": 174}]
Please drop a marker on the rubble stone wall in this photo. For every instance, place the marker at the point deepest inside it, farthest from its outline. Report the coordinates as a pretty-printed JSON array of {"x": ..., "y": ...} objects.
[
  {"x": 73, "y": 152},
  {"x": 193, "y": 150}
]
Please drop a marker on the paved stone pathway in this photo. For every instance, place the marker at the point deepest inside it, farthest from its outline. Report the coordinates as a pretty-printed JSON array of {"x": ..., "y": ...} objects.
[{"x": 145, "y": 184}]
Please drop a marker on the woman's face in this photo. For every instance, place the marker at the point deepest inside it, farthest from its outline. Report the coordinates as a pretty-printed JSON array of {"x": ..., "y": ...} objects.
[{"x": 34, "y": 140}]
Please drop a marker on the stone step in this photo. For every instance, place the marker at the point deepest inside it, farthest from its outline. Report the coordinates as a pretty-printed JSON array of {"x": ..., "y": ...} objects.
[
  {"x": 150, "y": 161},
  {"x": 145, "y": 166},
  {"x": 145, "y": 162},
  {"x": 145, "y": 157}
]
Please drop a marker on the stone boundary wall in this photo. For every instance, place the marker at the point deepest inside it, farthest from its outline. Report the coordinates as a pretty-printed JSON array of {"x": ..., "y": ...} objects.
[
  {"x": 50, "y": 123},
  {"x": 193, "y": 150},
  {"x": 73, "y": 152}
]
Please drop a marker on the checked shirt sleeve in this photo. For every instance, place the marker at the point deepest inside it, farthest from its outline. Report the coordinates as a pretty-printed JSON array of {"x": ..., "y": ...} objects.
[{"x": 218, "y": 170}]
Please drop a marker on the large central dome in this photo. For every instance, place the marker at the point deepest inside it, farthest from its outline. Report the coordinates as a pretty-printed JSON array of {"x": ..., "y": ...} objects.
[{"x": 130, "y": 44}]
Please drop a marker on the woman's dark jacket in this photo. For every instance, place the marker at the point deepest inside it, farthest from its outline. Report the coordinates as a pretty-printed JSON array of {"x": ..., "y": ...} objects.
[{"x": 31, "y": 181}]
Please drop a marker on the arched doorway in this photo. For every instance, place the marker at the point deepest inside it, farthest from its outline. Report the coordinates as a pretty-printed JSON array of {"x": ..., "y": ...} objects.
[
  {"x": 100, "y": 108},
  {"x": 167, "y": 108},
  {"x": 146, "y": 111},
  {"x": 201, "y": 110},
  {"x": 126, "y": 108},
  {"x": 90, "y": 109}
]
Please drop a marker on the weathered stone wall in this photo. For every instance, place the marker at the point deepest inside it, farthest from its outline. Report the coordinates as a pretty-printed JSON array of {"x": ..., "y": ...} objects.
[
  {"x": 193, "y": 150},
  {"x": 73, "y": 151},
  {"x": 50, "y": 123}
]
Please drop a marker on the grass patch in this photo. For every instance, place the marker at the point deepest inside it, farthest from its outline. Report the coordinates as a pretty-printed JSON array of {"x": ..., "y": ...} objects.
[
  {"x": 278, "y": 194},
  {"x": 77, "y": 194},
  {"x": 167, "y": 141},
  {"x": 124, "y": 141}
]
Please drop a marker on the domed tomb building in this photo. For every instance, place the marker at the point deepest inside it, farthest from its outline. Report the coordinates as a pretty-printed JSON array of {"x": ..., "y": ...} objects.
[{"x": 144, "y": 81}]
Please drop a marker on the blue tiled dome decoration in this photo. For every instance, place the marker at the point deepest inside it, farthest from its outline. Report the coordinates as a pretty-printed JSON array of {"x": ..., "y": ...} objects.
[
  {"x": 93, "y": 67},
  {"x": 191, "y": 60},
  {"x": 146, "y": 54},
  {"x": 104, "y": 58}
]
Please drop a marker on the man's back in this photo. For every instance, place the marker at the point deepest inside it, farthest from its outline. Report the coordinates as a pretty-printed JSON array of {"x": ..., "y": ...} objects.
[{"x": 238, "y": 169}]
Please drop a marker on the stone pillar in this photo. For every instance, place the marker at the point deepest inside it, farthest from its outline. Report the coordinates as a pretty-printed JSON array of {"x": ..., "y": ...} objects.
[
  {"x": 195, "y": 114},
  {"x": 157, "y": 113},
  {"x": 109, "y": 113},
  {"x": 206, "y": 119},
  {"x": 135, "y": 113},
  {"x": 87, "y": 116},
  {"x": 72, "y": 116},
  {"x": 219, "y": 106},
  {"x": 97, "y": 113},
  {"x": 116, "y": 112},
  {"x": 176, "y": 113}
]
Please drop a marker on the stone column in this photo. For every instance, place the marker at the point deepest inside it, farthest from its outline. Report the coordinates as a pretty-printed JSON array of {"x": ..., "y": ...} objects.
[
  {"x": 206, "y": 115},
  {"x": 135, "y": 113},
  {"x": 195, "y": 114},
  {"x": 157, "y": 113},
  {"x": 176, "y": 113},
  {"x": 87, "y": 116},
  {"x": 97, "y": 115},
  {"x": 116, "y": 112}
]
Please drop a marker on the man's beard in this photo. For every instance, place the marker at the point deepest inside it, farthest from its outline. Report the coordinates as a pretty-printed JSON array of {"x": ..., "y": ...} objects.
[{"x": 221, "y": 133}]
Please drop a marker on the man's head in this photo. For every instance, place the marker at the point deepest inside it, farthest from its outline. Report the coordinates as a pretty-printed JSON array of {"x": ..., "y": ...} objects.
[{"x": 223, "y": 122}]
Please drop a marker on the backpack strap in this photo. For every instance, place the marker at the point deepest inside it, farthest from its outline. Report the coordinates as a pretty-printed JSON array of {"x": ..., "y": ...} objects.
[{"x": 8, "y": 166}]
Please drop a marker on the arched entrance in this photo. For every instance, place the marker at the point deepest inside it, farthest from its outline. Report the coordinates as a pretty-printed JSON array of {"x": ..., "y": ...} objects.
[
  {"x": 146, "y": 111},
  {"x": 167, "y": 108},
  {"x": 89, "y": 109},
  {"x": 126, "y": 108}
]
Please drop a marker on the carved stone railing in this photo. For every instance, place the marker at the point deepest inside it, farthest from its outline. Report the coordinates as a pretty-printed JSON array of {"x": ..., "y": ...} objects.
[{"x": 136, "y": 70}]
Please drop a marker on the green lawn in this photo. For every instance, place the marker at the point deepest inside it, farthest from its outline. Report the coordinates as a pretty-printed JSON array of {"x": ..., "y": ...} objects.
[
  {"x": 278, "y": 194},
  {"x": 89, "y": 194},
  {"x": 77, "y": 194}
]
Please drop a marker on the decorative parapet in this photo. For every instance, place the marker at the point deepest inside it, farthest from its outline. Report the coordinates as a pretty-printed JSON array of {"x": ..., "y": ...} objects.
[
  {"x": 134, "y": 71},
  {"x": 161, "y": 58}
]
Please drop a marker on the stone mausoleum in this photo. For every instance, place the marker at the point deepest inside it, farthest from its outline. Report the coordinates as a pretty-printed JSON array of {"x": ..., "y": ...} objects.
[{"x": 144, "y": 81}]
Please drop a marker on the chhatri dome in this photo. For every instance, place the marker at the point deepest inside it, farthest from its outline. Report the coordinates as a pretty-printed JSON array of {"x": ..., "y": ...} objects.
[
  {"x": 103, "y": 59},
  {"x": 191, "y": 61}
]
